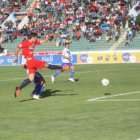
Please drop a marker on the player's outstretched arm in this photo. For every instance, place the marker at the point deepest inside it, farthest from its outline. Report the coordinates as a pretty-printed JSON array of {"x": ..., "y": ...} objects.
[
  {"x": 16, "y": 54},
  {"x": 49, "y": 37}
]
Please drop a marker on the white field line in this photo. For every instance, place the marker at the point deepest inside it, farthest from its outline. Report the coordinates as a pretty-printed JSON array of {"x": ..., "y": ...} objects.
[
  {"x": 115, "y": 69},
  {"x": 122, "y": 94}
]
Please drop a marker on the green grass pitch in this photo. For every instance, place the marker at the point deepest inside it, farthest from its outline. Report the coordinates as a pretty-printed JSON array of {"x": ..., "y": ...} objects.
[{"x": 63, "y": 112}]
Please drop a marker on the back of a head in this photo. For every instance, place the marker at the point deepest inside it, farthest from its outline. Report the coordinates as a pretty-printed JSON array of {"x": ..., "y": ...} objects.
[{"x": 32, "y": 35}]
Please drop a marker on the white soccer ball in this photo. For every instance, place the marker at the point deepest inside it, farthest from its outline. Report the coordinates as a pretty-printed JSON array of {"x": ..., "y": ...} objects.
[{"x": 105, "y": 82}]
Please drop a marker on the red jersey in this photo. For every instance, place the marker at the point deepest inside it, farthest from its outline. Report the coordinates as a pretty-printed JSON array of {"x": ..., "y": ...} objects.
[{"x": 28, "y": 48}]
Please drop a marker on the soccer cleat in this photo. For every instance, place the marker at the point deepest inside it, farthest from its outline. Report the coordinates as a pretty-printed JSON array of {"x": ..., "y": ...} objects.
[
  {"x": 65, "y": 67},
  {"x": 17, "y": 91},
  {"x": 36, "y": 97},
  {"x": 71, "y": 79},
  {"x": 53, "y": 79}
]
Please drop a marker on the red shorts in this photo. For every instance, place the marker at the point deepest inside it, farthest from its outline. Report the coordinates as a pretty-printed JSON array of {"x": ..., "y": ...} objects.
[{"x": 33, "y": 65}]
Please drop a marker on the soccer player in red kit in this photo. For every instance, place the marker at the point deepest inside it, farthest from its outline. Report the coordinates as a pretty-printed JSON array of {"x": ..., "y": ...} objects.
[{"x": 27, "y": 47}]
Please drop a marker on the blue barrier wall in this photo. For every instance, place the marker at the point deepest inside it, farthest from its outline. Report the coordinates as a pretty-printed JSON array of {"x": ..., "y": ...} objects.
[
  {"x": 8, "y": 60},
  {"x": 52, "y": 59}
]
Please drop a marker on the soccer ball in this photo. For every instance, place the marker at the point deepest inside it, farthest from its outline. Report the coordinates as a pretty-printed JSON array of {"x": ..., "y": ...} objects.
[{"x": 105, "y": 82}]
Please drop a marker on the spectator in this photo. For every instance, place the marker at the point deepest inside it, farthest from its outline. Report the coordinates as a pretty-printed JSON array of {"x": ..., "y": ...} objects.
[
  {"x": 124, "y": 21},
  {"x": 129, "y": 38},
  {"x": 85, "y": 16},
  {"x": 117, "y": 35},
  {"x": 78, "y": 35},
  {"x": 1, "y": 49}
]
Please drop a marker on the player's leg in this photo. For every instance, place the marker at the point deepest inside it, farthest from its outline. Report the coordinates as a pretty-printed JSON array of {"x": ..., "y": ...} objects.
[
  {"x": 50, "y": 66},
  {"x": 23, "y": 84},
  {"x": 65, "y": 67},
  {"x": 40, "y": 84},
  {"x": 36, "y": 90},
  {"x": 39, "y": 64},
  {"x": 72, "y": 73},
  {"x": 54, "y": 76},
  {"x": 31, "y": 74},
  {"x": 37, "y": 82}
]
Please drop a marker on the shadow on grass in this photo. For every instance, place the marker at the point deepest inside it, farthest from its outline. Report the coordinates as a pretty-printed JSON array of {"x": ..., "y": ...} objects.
[
  {"x": 76, "y": 80},
  {"x": 49, "y": 92},
  {"x": 26, "y": 100},
  {"x": 107, "y": 93}
]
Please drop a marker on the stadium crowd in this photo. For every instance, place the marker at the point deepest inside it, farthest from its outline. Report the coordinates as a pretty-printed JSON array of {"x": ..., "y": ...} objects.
[{"x": 71, "y": 20}]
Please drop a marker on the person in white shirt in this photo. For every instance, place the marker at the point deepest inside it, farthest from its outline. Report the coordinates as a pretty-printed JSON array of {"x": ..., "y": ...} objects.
[{"x": 66, "y": 63}]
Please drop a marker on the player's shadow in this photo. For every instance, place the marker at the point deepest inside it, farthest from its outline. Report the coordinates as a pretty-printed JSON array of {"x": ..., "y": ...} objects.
[
  {"x": 44, "y": 94},
  {"x": 107, "y": 93},
  {"x": 50, "y": 92},
  {"x": 26, "y": 100},
  {"x": 76, "y": 80}
]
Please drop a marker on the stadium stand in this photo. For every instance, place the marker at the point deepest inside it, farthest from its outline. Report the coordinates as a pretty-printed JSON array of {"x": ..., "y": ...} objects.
[{"x": 88, "y": 25}]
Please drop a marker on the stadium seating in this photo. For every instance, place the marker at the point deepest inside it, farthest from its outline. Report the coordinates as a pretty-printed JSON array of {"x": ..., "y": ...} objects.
[{"x": 80, "y": 45}]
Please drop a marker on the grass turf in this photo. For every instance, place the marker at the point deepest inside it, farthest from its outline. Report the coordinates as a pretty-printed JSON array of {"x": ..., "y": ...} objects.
[{"x": 63, "y": 112}]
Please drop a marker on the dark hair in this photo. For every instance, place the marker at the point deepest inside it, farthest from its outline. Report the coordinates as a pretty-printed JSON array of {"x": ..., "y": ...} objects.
[
  {"x": 67, "y": 43},
  {"x": 32, "y": 35}
]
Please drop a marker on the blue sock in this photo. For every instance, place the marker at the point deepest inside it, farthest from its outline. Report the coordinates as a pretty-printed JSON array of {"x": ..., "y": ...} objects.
[
  {"x": 72, "y": 74},
  {"x": 36, "y": 89},
  {"x": 54, "y": 67},
  {"x": 41, "y": 89},
  {"x": 24, "y": 84},
  {"x": 56, "y": 74}
]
